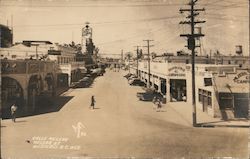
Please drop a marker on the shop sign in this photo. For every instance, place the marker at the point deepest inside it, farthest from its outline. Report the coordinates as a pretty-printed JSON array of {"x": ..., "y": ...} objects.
[
  {"x": 54, "y": 52},
  {"x": 241, "y": 78},
  {"x": 176, "y": 71}
]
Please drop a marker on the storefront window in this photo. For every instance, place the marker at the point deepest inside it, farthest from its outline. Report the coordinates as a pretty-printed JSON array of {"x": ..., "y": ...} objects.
[
  {"x": 208, "y": 81},
  {"x": 205, "y": 97}
]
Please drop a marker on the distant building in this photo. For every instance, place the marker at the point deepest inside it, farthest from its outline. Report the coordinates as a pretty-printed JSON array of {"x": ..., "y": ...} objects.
[
  {"x": 241, "y": 61},
  {"x": 26, "y": 51},
  {"x": 69, "y": 69},
  {"x": 6, "y": 36}
]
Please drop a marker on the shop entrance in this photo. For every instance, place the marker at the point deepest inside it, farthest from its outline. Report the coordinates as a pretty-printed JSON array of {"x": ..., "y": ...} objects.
[{"x": 178, "y": 90}]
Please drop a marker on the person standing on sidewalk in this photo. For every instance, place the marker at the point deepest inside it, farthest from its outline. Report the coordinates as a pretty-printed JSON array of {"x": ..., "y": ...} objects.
[
  {"x": 92, "y": 102},
  {"x": 13, "y": 109}
]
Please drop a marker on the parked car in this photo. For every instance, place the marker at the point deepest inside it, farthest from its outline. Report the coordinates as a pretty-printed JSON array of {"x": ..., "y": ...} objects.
[
  {"x": 97, "y": 71},
  {"x": 132, "y": 77},
  {"x": 136, "y": 82},
  {"x": 128, "y": 75},
  {"x": 149, "y": 96},
  {"x": 85, "y": 81}
]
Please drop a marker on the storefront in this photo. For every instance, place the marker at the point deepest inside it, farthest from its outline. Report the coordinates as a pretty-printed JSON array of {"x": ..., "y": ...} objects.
[
  {"x": 178, "y": 90},
  {"x": 177, "y": 83},
  {"x": 233, "y": 93}
]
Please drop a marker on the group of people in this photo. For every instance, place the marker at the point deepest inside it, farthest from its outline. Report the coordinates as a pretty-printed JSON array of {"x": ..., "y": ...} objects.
[{"x": 157, "y": 103}]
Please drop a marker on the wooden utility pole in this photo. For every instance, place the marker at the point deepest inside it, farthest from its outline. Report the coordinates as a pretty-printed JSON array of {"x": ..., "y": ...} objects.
[
  {"x": 137, "y": 60},
  {"x": 122, "y": 55},
  {"x": 148, "y": 46},
  {"x": 191, "y": 46}
]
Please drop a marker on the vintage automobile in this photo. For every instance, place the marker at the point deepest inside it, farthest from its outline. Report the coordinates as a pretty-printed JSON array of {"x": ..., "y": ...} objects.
[
  {"x": 136, "y": 82},
  {"x": 149, "y": 96}
]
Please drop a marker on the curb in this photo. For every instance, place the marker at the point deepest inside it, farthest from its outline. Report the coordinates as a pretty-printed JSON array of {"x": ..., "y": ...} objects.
[{"x": 229, "y": 126}]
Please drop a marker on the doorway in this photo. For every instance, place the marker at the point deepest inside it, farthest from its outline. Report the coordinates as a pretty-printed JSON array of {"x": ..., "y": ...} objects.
[{"x": 178, "y": 90}]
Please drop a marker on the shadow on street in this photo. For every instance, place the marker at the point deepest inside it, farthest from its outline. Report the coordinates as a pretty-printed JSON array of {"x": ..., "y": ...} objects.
[{"x": 43, "y": 106}]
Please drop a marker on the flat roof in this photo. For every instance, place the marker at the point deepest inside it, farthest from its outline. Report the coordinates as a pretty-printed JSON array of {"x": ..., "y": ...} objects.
[{"x": 37, "y": 41}]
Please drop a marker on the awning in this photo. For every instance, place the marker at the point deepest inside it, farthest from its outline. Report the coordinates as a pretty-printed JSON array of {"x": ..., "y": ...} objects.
[{"x": 233, "y": 89}]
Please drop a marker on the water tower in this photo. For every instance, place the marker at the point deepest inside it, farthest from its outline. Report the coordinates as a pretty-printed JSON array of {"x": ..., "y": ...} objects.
[
  {"x": 86, "y": 37},
  {"x": 239, "y": 51}
]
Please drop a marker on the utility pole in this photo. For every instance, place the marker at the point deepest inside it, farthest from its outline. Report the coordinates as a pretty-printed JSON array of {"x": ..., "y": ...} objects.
[
  {"x": 137, "y": 60},
  {"x": 36, "y": 45},
  {"x": 36, "y": 53},
  {"x": 122, "y": 55},
  {"x": 129, "y": 63},
  {"x": 148, "y": 46},
  {"x": 191, "y": 46}
]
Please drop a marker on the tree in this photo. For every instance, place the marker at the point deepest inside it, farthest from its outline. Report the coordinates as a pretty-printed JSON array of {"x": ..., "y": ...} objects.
[
  {"x": 96, "y": 51},
  {"x": 128, "y": 55},
  {"x": 153, "y": 55}
]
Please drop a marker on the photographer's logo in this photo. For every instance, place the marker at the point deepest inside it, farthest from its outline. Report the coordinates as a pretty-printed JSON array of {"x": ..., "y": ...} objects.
[{"x": 78, "y": 129}]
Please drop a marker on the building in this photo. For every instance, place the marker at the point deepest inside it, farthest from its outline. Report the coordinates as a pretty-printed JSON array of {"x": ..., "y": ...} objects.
[
  {"x": 69, "y": 70},
  {"x": 221, "y": 90},
  {"x": 242, "y": 61},
  {"x": 26, "y": 50},
  {"x": 26, "y": 83},
  {"x": 6, "y": 36}
]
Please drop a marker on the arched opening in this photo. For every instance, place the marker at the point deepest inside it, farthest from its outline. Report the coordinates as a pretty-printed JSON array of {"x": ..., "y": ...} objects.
[
  {"x": 62, "y": 80},
  {"x": 35, "y": 86},
  {"x": 12, "y": 93},
  {"x": 49, "y": 84}
]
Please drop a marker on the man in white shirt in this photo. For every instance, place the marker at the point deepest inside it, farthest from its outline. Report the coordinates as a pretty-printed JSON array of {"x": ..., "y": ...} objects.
[{"x": 13, "y": 112}]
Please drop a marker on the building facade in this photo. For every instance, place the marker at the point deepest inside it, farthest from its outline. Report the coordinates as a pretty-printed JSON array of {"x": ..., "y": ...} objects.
[
  {"x": 217, "y": 91},
  {"x": 26, "y": 83}
]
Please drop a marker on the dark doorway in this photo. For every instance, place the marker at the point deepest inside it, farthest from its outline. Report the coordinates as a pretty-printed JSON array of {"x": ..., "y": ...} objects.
[
  {"x": 178, "y": 90},
  {"x": 62, "y": 80},
  {"x": 163, "y": 86}
]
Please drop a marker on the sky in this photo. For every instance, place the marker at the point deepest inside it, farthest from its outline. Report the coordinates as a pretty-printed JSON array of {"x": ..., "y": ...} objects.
[{"x": 122, "y": 24}]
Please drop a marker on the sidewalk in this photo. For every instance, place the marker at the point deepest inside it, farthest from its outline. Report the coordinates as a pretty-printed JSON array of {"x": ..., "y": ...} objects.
[{"x": 184, "y": 111}]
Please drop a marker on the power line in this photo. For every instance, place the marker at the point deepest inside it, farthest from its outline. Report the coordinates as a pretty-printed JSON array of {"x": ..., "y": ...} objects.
[
  {"x": 225, "y": 19},
  {"x": 91, "y": 5},
  {"x": 101, "y": 23},
  {"x": 135, "y": 36}
]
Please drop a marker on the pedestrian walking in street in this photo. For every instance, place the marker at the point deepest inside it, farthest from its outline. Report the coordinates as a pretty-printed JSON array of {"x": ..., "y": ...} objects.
[
  {"x": 13, "y": 110},
  {"x": 159, "y": 106},
  {"x": 92, "y": 104},
  {"x": 154, "y": 102}
]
